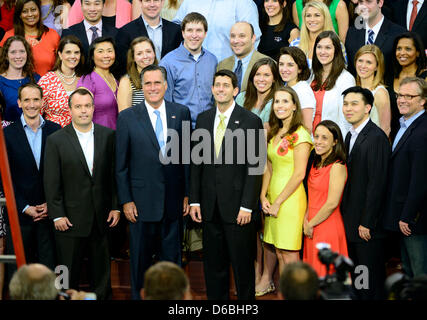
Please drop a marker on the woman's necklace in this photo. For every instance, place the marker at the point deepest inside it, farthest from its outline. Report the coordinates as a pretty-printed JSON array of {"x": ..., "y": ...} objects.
[
  {"x": 64, "y": 78},
  {"x": 107, "y": 82}
]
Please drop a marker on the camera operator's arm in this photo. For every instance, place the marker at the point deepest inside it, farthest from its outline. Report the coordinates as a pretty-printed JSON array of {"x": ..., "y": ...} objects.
[{"x": 337, "y": 178}]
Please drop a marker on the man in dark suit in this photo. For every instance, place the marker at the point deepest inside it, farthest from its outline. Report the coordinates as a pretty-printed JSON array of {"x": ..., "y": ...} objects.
[
  {"x": 92, "y": 26},
  {"x": 412, "y": 19},
  {"x": 25, "y": 144},
  {"x": 153, "y": 193},
  {"x": 377, "y": 30},
  {"x": 80, "y": 191},
  {"x": 407, "y": 189},
  {"x": 225, "y": 187},
  {"x": 166, "y": 35},
  {"x": 368, "y": 154}
]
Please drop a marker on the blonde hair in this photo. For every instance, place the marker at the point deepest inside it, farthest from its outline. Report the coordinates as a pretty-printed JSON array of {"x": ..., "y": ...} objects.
[
  {"x": 304, "y": 44},
  {"x": 379, "y": 57}
]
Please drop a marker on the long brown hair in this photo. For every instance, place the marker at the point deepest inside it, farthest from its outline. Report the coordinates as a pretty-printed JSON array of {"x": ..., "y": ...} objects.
[
  {"x": 28, "y": 69},
  {"x": 251, "y": 95},
  {"x": 18, "y": 25},
  {"x": 70, "y": 40},
  {"x": 338, "y": 63},
  {"x": 132, "y": 68},
  {"x": 338, "y": 150},
  {"x": 276, "y": 124},
  {"x": 173, "y": 4}
]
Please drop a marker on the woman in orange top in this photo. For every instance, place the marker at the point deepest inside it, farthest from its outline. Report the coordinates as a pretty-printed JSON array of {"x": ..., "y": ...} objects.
[{"x": 43, "y": 40}]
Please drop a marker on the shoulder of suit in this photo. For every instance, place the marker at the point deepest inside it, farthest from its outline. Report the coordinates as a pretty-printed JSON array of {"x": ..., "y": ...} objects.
[
  {"x": 171, "y": 25},
  {"x": 226, "y": 61},
  {"x": 52, "y": 125},
  {"x": 258, "y": 55},
  {"x": 103, "y": 129},
  {"x": 393, "y": 27}
]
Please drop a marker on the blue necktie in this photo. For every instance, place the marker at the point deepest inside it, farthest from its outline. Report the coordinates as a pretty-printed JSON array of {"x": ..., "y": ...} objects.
[
  {"x": 370, "y": 37},
  {"x": 238, "y": 72},
  {"x": 159, "y": 130},
  {"x": 94, "y": 33}
]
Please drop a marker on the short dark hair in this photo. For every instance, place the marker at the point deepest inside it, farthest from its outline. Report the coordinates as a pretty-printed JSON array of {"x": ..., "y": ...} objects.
[
  {"x": 165, "y": 281},
  {"x": 367, "y": 96},
  {"x": 196, "y": 18},
  {"x": 300, "y": 59},
  {"x": 91, "y": 63},
  {"x": 29, "y": 85},
  {"x": 81, "y": 91},
  {"x": 226, "y": 73},
  {"x": 299, "y": 282},
  {"x": 154, "y": 67}
]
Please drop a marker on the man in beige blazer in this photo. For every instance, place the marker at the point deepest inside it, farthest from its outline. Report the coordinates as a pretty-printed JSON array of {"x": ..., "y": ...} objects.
[{"x": 242, "y": 41}]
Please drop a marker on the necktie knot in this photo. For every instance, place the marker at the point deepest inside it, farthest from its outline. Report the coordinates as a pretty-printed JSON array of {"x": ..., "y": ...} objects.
[
  {"x": 222, "y": 118},
  {"x": 94, "y": 33}
]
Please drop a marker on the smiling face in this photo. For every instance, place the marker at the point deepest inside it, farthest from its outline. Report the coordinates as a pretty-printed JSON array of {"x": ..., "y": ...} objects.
[
  {"x": 412, "y": 105},
  {"x": 263, "y": 79},
  {"x": 194, "y": 35},
  {"x": 273, "y": 8},
  {"x": 241, "y": 39},
  {"x": 82, "y": 109},
  {"x": 16, "y": 55},
  {"x": 223, "y": 90},
  {"x": 325, "y": 51},
  {"x": 354, "y": 108},
  {"x": 366, "y": 65},
  {"x": 406, "y": 52},
  {"x": 314, "y": 20},
  {"x": 30, "y": 14},
  {"x": 104, "y": 55},
  {"x": 288, "y": 69},
  {"x": 283, "y": 105},
  {"x": 92, "y": 10},
  {"x": 154, "y": 87},
  {"x": 324, "y": 141},
  {"x": 151, "y": 8},
  {"x": 30, "y": 102},
  {"x": 144, "y": 55},
  {"x": 70, "y": 56}
]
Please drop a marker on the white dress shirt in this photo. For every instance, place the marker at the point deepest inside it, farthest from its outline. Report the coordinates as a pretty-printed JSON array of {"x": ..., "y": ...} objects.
[
  {"x": 86, "y": 140},
  {"x": 89, "y": 32},
  {"x": 153, "y": 118},
  {"x": 409, "y": 11},
  {"x": 375, "y": 29},
  {"x": 355, "y": 132}
]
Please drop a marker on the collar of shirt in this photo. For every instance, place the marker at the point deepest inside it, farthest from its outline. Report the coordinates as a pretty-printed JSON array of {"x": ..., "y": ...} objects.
[
  {"x": 151, "y": 109},
  {"x": 245, "y": 61},
  {"x": 375, "y": 29},
  {"x": 88, "y": 26},
  {"x": 359, "y": 128},
  {"x": 148, "y": 26},
  {"x": 183, "y": 50},
  {"x": 25, "y": 125},
  {"x": 163, "y": 118},
  {"x": 406, "y": 123},
  {"x": 83, "y": 134},
  {"x": 227, "y": 113}
]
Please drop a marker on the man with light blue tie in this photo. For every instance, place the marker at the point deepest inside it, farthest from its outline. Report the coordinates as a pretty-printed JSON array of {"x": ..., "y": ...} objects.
[{"x": 154, "y": 195}]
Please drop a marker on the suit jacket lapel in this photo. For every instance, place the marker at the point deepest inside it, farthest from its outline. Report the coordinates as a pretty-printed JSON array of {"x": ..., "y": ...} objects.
[
  {"x": 82, "y": 31},
  {"x": 74, "y": 141},
  {"x": 407, "y": 134},
  {"x": 97, "y": 142},
  {"x": 420, "y": 16},
  {"x": 144, "y": 119},
  {"x": 21, "y": 139},
  {"x": 170, "y": 118},
  {"x": 232, "y": 125},
  {"x": 360, "y": 138}
]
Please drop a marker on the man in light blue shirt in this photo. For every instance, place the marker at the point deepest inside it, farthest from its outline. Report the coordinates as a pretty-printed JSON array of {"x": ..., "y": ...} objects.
[
  {"x": 190, "y": 68},
  {"x": 221, "y": 16}
]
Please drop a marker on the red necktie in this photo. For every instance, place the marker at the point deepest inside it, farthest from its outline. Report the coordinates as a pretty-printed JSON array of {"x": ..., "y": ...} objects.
[{"x": 413, "y": 14}]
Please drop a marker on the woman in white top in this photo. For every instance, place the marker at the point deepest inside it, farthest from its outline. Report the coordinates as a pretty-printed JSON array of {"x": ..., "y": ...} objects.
[
  {"x": 330, "y": 79},
  {"x": 369, "y": 62},
  {"x": 294, "y": 71}
]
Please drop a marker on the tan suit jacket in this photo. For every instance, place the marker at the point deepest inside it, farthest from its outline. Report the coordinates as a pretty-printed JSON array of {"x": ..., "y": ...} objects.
[{"x": 228, "y": 64}]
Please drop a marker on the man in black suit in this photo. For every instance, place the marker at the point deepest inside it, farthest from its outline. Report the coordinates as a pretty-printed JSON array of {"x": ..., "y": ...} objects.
[
  {"x": 368, "y": 154},
  {"x": 377, "y": 30},
  {"x": 407, "y": 189},
  {"x": 224, "y": 188},
  {"x": 166, "y": 36},
  {"x": 92, "y": 26},
  {"x": 80, "y": 191},
  {"x": 154, "y": 194},
  {"x": 25, "y": 144},
  {"x": 403, "y": 11}
]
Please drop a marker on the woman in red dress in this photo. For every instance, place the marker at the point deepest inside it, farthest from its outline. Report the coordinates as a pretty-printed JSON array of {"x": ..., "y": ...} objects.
[{"x": 326, "y": 181}]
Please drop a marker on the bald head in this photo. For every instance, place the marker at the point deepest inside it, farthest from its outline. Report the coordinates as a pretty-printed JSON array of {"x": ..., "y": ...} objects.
[
  {"x": 242, "y": 39},
  {"x": 33, "y": 282}
]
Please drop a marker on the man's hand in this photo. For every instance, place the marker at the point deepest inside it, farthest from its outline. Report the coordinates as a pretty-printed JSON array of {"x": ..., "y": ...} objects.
[
  {"x": 186, "y": 207},
  {"x": 115, "y": 216},
  {"x": 243, "y": 217},
  {"x": 195, "y": 213},
  {"x": 63, "y": 224},
  {"x": 364, "y": 233},
  {"x": 32, "y": 211},
  {"x": 404, "y": 227},
  {"x": 130, "y": 211},
  {"x": 41, "y": 212}
]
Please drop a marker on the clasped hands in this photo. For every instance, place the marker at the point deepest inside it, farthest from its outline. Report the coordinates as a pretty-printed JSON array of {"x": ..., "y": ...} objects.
[
  {"x": 38, "y": 212},
  {"x": 268, "y": 208}
]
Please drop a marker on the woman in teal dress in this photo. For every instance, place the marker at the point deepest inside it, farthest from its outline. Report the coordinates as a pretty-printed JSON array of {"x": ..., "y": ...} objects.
[{"x": 283, "y": 196}]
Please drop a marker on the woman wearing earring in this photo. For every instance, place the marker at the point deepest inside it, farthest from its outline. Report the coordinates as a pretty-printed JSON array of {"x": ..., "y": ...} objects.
[
  {"x": 369, "y": 63},
  {"x": 101, "y": 82},
  {"x": 16, "y": 69},
  {"x": 326, "y": 181},
  {"x": 141, "y": 54},
  {"x": 283, "y": 197},
  {"x": 59, "y": 83}
]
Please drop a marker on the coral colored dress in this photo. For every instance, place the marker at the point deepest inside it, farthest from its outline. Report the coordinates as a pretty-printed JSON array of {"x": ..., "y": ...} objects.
[
  {"x": 332, "y": 229},
  {"x": 285, "y": 231}
]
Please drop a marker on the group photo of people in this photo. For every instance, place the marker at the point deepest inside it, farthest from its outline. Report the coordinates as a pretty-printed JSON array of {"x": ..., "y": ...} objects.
[{"x": 329, "y": 98}]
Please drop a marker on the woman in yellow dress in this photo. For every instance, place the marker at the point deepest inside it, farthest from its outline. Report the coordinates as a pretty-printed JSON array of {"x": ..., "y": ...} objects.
[{"x": 283, "y": 196}]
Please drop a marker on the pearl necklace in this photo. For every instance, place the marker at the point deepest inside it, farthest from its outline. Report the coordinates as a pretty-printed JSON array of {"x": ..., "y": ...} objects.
[{"x": 63, "y": 77}]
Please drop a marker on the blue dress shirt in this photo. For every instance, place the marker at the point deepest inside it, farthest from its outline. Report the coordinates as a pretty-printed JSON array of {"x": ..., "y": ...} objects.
[{"x": 404, "y": 125}]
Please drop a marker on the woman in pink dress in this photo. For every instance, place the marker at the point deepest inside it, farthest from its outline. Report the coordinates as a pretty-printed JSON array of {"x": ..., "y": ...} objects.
[
  {"x": 101, "y": 82},
  {"x": 326, "y": 181}
]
